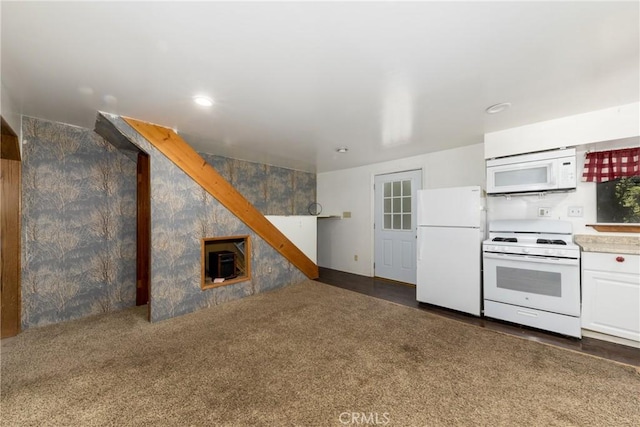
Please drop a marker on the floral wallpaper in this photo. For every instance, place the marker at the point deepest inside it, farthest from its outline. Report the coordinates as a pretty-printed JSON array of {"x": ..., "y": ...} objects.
[
  {"x": 272, "y": 190},
  {"x": 78, "y": 219},
  {"x": 181, "y": 214},
  {"x": 79, "y": 228}
]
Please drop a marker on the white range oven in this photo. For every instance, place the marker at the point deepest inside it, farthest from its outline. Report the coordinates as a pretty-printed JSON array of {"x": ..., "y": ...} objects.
[{"x": 532, "y": 275}]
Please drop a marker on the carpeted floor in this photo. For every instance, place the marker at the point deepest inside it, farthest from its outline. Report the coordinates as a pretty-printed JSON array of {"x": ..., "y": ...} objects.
[{"x": 309, "y": 354}]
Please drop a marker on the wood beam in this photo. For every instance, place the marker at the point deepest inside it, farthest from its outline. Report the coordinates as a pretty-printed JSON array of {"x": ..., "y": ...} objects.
[{"x": 186, "y": 158}]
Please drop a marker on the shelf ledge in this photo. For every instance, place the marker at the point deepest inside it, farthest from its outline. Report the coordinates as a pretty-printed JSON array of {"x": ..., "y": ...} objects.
[{"x": 616, "y": 228}]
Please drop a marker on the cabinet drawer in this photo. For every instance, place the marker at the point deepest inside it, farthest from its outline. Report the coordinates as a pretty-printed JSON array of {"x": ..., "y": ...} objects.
[{"x": 608, "y": 262}]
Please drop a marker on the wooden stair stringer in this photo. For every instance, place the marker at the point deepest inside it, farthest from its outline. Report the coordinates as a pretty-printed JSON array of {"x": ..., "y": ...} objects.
[{"x": 188, "y": 160}]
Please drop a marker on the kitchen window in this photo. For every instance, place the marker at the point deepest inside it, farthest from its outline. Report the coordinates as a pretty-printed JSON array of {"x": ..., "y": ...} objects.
[
  {"x": 617, "y": 177},
  {"x": 618, "y": 201}
]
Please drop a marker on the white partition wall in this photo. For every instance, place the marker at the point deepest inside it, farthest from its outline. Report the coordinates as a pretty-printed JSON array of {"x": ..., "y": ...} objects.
[{"x": 302, "y": 230}]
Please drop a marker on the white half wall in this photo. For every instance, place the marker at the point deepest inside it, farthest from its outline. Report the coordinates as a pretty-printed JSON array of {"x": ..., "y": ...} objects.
[
  {"x": 346, "y": 244},
  {"x": 301, "y": 230}
]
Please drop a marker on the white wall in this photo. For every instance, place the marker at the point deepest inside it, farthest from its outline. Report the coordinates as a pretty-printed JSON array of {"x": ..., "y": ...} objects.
[
  {"x": 526, "y": 207},
  {"x": 339, "y": 240},
  {"x": 351, "y": 190},
  {"x": 9, "y": 111}
]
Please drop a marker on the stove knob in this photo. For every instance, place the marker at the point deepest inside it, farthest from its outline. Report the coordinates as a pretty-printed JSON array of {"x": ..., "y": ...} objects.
[
  {"x": 526, "y": 250},
  {"x": 549, "y": 251},
  {"x": 562, "y": 252}
]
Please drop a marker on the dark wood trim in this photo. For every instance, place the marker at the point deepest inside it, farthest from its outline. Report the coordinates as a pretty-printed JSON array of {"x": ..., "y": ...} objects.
[
  {"x": 143, "y": 229},
  {"x": 186, "y": 158},
  {"x": 616, "y": 228},
  {"x": 10, "y": 297},
  {"x": 9, "y": 143}
]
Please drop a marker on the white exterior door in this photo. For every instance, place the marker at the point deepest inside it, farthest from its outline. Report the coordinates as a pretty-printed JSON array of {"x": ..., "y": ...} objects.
[{"x": 395, "y": 225}]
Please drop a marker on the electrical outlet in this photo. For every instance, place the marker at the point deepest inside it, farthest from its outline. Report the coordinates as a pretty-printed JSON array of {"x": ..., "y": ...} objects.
[
  {"x": 544, "y": 212},
  {"x": 355, "y": 257},
  {"x": 575, "y": 211}
]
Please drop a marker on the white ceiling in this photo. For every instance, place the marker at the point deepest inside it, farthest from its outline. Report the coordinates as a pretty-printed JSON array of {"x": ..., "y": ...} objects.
[{"x": 294, "y": 81}]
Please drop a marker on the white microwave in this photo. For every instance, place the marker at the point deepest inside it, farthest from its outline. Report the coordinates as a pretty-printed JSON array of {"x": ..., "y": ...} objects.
[{"x": 534, "y": 172}]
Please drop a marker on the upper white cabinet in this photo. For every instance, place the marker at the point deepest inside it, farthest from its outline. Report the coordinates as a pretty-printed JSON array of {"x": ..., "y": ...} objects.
[
  {"x": 587, "y": 128},
  {"x": 611, "y": 294}
]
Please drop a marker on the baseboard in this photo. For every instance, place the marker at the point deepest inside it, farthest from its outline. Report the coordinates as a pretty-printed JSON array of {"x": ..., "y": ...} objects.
[{"x": 610, "y": 338}]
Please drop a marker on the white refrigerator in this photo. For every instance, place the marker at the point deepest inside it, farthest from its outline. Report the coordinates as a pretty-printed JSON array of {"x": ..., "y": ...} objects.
[{"x": 451, "y": 228}]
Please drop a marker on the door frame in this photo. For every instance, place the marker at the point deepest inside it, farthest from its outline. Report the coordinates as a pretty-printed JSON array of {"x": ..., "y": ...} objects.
[
  {"x": 143, "y": 231},
  {"x": 11, "y": 230},
  {"x": 421, "y": 182}
]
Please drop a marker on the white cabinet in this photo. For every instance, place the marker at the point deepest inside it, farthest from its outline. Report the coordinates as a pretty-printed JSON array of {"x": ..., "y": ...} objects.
[{"x": 611, "y": 294}]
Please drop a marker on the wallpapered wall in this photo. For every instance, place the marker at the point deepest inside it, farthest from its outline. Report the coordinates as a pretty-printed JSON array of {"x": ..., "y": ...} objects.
[
  {"x": 78, "y": 219},
  {"x": 181, "y": 214},
  {"x": 271, "y": 189},
  {"x": 79, "y": 226}
]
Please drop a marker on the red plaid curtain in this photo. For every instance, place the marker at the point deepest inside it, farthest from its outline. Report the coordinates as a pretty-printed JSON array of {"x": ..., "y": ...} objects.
[{"x": 604, "y": 166}]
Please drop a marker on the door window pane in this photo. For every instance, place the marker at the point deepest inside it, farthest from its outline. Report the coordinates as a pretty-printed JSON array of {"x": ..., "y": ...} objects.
[
  {"x": 397, "y": 189},
  {"x": 406, "y": 188},
  {"x": 397, "y": 207},
  {"x": 406, "y": 222},
  {"x": 406, "y": 204},
  {"x": 397, "y": 222}
]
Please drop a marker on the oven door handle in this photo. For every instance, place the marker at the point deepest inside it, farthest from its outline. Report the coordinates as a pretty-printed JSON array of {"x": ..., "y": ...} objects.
[{"x": 534, "y": 259}]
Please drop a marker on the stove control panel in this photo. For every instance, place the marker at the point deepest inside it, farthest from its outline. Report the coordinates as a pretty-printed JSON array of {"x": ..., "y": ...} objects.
[{"x": 534, "y": 250}]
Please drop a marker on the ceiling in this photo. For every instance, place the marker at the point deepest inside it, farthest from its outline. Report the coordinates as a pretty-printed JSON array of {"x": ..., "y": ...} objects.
[{"x": 294, "y": 81}]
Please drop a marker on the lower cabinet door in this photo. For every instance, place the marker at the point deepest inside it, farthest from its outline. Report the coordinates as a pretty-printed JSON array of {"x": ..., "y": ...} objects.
[{"x": 611, "y": 303}]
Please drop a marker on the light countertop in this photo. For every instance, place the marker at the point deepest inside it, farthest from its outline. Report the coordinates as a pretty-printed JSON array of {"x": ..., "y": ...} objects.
[{"x": 610, "y": 244}]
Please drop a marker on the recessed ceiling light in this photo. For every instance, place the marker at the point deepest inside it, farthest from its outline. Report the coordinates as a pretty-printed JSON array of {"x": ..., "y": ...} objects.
[
  {"x": 498, "y": 108},
  {"x": 342, "y": 149},
  {"x": 203, "y": 101}
]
